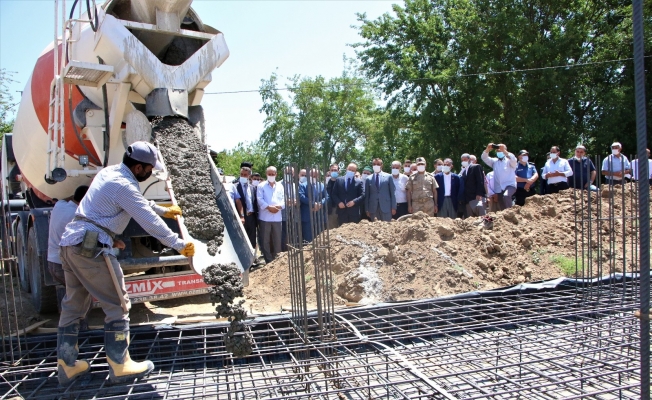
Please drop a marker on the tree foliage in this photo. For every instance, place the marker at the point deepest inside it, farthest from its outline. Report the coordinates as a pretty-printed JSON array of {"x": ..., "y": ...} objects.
[
  {"x": 462, "y": 73},
  {"x": 320, "y": 122},
  {"x": 229, "y": 160},
  {"x": 6, "y": 102}
]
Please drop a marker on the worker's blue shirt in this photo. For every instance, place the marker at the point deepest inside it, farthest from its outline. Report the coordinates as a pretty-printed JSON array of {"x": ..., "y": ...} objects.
[
  {"x": 525, "y": 171},
  {"x": 581, "y": 172},
  {"x": 111, "y": 201}
]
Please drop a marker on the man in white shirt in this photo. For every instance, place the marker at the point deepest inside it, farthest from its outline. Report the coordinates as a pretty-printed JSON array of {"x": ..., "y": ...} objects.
[
  {"x": 615, "y": 166},
  {"x": 635, "y": 171},
  {"x": 400, "y": 182},
  {"x": 271, "y": 200},
  {"x": 492, "y": 198},
  {"x": 556, "y": 171},
  {"x": 62, "y": 213},
  {"x": 504, "y": 166}
]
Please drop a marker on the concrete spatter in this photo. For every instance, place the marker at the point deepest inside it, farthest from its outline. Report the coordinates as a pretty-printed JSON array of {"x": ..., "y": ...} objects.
[
  {"x": 227, "y": 286},
  {"x": 187, "y": 162}
]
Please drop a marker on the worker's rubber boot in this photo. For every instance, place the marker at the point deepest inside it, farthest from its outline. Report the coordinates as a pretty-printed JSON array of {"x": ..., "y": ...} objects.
[
  {"x": 122, "y": 368},
  {"x": 68, "y": 366}
]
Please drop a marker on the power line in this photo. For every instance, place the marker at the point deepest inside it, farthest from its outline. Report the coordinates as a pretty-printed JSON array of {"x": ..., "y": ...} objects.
[{"x": 566, "y": 66}]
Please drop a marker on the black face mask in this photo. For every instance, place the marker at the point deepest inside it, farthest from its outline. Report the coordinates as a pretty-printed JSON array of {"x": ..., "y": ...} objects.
[{"x": 144, "y": 177}]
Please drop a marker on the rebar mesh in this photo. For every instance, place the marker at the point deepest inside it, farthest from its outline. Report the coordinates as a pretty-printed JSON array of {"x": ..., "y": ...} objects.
[{"x": 537, "y": 343}]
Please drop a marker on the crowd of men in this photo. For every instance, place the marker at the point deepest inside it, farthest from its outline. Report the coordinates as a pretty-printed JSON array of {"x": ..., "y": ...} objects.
[
  {"x": 339, "y": 197},
  {"x": 83, "y": 228}
]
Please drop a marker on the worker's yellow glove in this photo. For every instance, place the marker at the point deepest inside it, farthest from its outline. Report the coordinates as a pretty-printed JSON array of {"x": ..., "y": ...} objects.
[
  {"x": 189, "y": 250},
  {"x": 172, "y": 212}
]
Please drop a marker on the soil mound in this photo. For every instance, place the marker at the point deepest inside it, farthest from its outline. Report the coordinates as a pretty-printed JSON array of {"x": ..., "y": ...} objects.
[{"x": 424, "y": 257}]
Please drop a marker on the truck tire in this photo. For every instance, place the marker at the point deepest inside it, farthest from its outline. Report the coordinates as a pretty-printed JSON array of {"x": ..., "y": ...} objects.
[
  {"x": 21, "y": 257},
  {"x": 44, "y": 298}
]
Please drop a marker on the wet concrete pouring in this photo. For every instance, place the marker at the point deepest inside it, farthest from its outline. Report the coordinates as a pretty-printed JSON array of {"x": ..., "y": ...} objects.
[
  {"x": 186, "y": 160},
  {"x": 227, "y": 286}
]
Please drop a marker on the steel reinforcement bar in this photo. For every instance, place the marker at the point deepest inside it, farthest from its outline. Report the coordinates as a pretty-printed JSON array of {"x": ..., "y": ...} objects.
[{"x": 566, "y": 342}]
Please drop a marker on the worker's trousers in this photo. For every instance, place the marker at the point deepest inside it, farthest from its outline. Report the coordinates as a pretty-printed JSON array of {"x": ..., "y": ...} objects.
[{"x": 86, "y": 277}]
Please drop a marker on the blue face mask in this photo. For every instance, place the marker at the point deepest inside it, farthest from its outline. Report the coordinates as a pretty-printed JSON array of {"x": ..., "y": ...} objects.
[
  {"x": 350, "y": 174},
  {"x": 500, "y": 154},
  {"x": 335, "y": 174}
]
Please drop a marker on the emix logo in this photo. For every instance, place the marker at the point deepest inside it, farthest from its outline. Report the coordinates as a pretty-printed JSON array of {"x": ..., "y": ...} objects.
[{"x": 147, "y": 287}]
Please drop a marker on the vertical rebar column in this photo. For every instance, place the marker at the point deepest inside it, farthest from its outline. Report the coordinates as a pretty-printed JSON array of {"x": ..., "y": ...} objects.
[
  {"x": 295, "y": 252},
  {"x": 643, "y": 193},
  {"x": 317, "y": 197}
]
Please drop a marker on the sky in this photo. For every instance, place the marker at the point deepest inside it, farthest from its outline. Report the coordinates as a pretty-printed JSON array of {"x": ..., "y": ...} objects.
[{"x": 307, "y": 38}]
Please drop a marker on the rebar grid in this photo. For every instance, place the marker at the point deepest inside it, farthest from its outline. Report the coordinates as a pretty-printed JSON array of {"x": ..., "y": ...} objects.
[{"x": 537, "y": 344}]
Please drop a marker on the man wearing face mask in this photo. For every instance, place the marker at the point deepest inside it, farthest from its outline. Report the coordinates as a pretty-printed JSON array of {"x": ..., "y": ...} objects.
[
  {"x": 331, "y": 178},
  {"x": 439, "y": 163},
  {"x": 504, "y": 166},
  {"x": 556, "y": 171},
  {"x": 422, "y": 191},
  {"x": 112, "y": 199},
  {"x": 583, "y": 170},
  {"x": 348, "y": 195},
  {"x": 450, "y": 190},
  {"x": 246, "y": 204},
  {"x": 380, "y": 196},
  {"x": 526, "y": 175},
  {"x": 407, "y": 167},
  {"x": 271, "y": 201},
  {"x": 313, "y": 198},
  {"x": 615, "y": 166},
  {"x": 400, "y": 183},
  {"x": 474, "y": 187}
]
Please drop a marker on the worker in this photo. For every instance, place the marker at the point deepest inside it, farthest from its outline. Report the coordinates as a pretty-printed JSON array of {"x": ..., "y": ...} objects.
[
  {"x": 112, "y": 200},
  {"x": 62, "y": 213},
  {"x": 422, "y": 190}
]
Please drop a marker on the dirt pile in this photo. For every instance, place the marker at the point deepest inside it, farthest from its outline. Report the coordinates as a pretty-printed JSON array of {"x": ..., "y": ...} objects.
[
  {"x": 425, "y": 257},
  {"x": 227, "y": 286},
  {"x": 185, "y": 157}
]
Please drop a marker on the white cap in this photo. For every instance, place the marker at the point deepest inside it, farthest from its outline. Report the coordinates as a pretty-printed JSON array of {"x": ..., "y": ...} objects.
[{"x": 616, "y": 144}]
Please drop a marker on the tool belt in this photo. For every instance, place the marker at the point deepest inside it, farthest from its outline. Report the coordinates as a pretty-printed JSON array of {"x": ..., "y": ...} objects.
[{"x": 105, "y": 230}]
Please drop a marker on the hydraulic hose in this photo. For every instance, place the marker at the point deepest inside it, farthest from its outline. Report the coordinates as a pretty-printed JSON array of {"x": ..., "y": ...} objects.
[{"x": 106, "y": 121}]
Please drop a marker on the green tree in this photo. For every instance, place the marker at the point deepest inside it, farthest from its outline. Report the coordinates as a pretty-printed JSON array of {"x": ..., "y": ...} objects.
[
  {"x": 464, "y": 73},
  {"x": 229, "y": 160},
  {"x": 6, "y": 102},
  {"x": 322, "y": 121}
]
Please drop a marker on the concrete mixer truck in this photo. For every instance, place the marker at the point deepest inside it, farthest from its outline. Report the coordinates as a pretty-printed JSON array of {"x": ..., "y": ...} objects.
[{"x": 116, "y": 73}]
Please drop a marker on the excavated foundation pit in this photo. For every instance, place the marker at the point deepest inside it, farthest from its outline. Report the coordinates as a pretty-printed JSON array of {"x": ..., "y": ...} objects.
[
  {"x": 540, "y": 341},
  {"x": 187, "y": 162}
]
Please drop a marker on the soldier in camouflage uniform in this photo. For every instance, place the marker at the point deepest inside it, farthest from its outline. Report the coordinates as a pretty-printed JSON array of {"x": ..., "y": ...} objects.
[{"x": 422, "y": 191}]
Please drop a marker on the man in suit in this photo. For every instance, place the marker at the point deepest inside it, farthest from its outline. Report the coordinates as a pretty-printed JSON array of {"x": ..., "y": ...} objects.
[
  {"x": 331, "y": 178},
  {"x": 246, "y": 203},
  {"x": 451, "y": 189},
  {"x": 474, "y": 187},
  {"x": 380, "y": 194},
  {"x": 313, "y": 199},
  {"x": 348, "y": 195}
]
